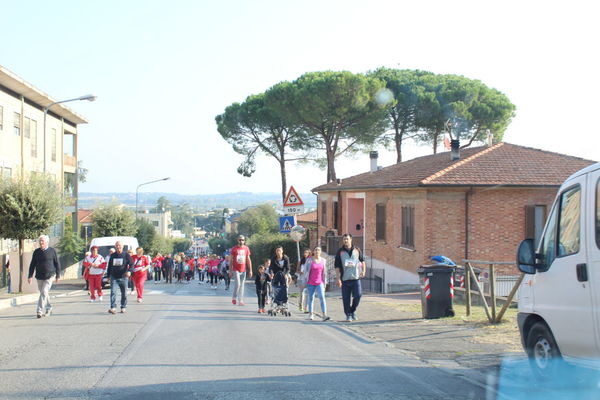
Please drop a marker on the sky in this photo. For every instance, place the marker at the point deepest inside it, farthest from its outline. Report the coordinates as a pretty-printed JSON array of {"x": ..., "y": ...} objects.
[{"x": 162, "y": 71}]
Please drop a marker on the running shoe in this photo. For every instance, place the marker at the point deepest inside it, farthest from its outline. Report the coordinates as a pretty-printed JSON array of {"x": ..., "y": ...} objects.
[
  {"x": 242, "y": 303},
  {"x": 123, "y": 310},
  {"x": 311, "y": 317},
  {"x": 233, "y": 301},
  {"x": 326, "y": 318},
  {"x": 112, "y": 311}
]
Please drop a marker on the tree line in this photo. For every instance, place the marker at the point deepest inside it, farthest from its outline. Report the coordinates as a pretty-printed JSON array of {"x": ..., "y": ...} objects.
[{"x": 324, "y": 115}]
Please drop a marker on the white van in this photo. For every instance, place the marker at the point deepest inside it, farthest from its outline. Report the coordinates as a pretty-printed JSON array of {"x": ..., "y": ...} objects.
[
  {"x": 559, "y": 301},
  {"x": 106, "y": 243}
]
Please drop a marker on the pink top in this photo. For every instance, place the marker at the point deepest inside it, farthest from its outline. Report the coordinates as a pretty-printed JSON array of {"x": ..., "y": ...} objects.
[{"x": 315, "y": 276}]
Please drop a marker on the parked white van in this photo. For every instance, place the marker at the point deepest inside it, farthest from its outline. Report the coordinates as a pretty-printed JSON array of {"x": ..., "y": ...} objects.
[
  {"x": 559, "y": 301},
  {"x": 106, "y": 243}
]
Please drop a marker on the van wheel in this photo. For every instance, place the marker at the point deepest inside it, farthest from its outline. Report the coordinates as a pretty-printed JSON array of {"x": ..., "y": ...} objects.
[{"x": 544, "y": 356}]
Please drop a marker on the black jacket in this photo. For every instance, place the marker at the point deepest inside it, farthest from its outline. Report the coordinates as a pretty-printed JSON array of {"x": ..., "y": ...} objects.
[
  {"x": 167, "y": 263},
  {"x": 279, "y": 271},
  {"x": 117, "y": 271},
  {"x": 45, "y": 264}
]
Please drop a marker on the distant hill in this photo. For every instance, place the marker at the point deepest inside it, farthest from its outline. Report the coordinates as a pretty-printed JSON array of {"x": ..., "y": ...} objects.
[{"x": 200, "y": 202}]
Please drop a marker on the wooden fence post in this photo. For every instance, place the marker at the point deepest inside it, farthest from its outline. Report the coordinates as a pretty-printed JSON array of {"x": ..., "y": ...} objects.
[
  {"x": 493, "y": 291},
  {"x": 468, "y": 290}
]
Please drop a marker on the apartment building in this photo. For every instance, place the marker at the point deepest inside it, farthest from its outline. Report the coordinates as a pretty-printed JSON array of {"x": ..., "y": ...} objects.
[{"x": 38, "y": 135}]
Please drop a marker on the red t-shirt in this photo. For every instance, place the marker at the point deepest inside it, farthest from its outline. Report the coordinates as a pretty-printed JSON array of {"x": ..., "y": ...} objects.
[{"x": 238, "y": 257}]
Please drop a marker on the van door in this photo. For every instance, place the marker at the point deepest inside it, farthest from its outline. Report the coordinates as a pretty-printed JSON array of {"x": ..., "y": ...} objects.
[
  {"x": 562, "y": 293},
  {"x": 593, "y": 243}
]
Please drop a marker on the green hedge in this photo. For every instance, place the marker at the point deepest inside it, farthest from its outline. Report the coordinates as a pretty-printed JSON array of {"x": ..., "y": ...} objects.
[{"x": 263, "y": 246}]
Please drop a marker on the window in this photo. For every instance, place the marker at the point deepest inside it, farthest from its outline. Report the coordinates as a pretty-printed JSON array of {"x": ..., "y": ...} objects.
[
  {"x": 34, "y": 138},
  {"x": 336, "y": 214},
  {"x": 17, "y": 124},
  {"x": 408, "y": 227},
  {"x": 53, "y": 144},
  {"x": 155, "y": 223},
  {"x": 1, "y": 118},
  {"x": 323, "y": 213},
  {"x": 26, "y": 127},
  {"x": 548, "y": 245},
  {"x": 380, "y": 222},
  {"x": 570, "y": 221},
  {"x": 535, "y": 218},
  {"x": 5, "y": 172}
]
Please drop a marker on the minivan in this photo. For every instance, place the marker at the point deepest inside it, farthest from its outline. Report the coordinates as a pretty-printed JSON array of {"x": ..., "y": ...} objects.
[{"x": 559, "y": 300}]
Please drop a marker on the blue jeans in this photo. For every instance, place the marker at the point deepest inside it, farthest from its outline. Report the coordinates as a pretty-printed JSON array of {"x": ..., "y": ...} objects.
[
  {"x": 351, "y": 289},
  {"x": 122, "y": 283},
  {"x": 320, "y": 289}
]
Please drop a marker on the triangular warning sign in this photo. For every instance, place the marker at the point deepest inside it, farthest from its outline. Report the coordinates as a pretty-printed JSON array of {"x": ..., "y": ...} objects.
[{"x": 292, "y": 198}]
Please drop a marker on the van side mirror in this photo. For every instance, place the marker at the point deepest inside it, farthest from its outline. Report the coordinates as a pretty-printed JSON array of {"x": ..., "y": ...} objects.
[{"x": 526, "y": 257}]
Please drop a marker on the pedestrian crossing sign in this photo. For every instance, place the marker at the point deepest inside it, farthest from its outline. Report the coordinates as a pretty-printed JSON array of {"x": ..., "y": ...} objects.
[{"x": 286, "y": 223}]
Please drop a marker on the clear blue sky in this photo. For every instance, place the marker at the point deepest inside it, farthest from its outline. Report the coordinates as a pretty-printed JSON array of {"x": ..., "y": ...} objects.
[{"x": 163, "y": 70}]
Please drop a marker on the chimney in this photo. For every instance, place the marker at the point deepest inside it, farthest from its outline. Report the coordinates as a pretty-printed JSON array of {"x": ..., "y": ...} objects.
[
  {"x": 454, "y": 150},
  {"x": 373, "y": 156},
  {"x": 489, "y": 139}
]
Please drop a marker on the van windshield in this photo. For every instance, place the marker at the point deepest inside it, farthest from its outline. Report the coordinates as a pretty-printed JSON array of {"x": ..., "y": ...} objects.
[{"x": 104, "y": 250}]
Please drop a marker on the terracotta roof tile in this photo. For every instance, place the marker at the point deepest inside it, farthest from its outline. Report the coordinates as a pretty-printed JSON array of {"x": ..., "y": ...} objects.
[{"x": 501, "y": 164}]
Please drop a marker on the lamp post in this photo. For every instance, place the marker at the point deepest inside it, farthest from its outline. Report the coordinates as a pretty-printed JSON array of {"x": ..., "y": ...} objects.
[
  {"x": 88, "y": 97},
  {"x": 137, "y": 192}
]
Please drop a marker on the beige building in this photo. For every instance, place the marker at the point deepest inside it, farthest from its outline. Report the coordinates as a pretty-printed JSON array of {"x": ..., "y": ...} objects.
[
  {"x": 28, "y": 145},
  {"x": 161, "y": 221}
]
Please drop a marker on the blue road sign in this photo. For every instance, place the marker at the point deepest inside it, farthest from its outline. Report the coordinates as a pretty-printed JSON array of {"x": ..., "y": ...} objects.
[{"x": 286, "y": 223}]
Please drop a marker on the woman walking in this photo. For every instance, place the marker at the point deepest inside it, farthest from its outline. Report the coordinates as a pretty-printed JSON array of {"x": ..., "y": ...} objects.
[
  {"x": 315, "y": 267},
  {"x": 141, "y": 264},
  {"x": 95, "y": 266}
]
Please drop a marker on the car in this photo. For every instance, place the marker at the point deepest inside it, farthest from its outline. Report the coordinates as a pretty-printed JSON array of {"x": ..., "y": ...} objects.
[{"x": 559, "y": 300}]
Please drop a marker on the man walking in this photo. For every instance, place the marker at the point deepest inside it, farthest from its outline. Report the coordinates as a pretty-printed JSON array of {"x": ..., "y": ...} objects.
[
  {"x": 239, "y": 265},
  {"x": 349, "y": 268},
  {"x": 167, "y": 266},
  {"x": 46, "y": 266},
  {"x": 120, "y": 266}
]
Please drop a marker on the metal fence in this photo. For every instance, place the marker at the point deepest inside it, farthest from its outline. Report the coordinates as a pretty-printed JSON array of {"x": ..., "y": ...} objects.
[{"x": 373, "y": 282}]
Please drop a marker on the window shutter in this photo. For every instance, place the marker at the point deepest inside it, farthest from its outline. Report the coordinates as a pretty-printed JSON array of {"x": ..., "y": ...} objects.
[
  {"x": 380, "y": 222},
  {"x": 529, "y": 222}
]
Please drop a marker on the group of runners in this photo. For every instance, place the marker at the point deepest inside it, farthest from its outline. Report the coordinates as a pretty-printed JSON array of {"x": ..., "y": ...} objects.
[{"x": 123, "y": 267}]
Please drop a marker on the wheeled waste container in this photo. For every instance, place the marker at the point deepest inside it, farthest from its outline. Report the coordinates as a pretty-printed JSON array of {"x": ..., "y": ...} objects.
[{"x": 437, "y": 290}]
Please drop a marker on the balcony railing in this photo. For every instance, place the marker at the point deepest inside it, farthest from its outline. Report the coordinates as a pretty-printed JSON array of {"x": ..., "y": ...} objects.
[{"x": 69, "y": 161}]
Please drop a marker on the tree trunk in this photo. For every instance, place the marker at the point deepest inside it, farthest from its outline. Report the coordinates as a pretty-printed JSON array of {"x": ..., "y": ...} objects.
[
  {"x": 283, "y": 180},
  {"x": 331, "y": 176},
  {"x": 21, "y": 247},
  {"x": 435, "y": 142},
  {"x": 398, "y": 140}
]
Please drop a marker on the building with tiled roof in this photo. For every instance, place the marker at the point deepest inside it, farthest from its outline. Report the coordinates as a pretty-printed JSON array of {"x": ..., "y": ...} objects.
[{"x": 479, "y": 206}]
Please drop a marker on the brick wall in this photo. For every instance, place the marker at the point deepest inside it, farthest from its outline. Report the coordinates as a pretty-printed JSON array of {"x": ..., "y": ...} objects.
[{"x": 496, "y": 223}]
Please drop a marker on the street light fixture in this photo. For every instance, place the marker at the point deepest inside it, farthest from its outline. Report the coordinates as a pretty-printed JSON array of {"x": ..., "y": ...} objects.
[
  {"x": 88, "y": 97},
  {"x": 137, "y": 192}
]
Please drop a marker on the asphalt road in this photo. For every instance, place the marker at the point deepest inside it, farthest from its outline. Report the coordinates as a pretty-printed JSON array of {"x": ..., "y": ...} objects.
[{"x": 187, "y": 341}]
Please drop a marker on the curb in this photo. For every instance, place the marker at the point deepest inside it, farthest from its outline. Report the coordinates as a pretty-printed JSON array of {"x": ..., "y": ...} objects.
[{"x": 31, "y": 298}]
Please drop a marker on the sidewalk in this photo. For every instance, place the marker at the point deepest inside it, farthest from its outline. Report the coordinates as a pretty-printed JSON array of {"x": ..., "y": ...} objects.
[
  {"x": 461, "y": 344},
  {"x": 63, "y": 288}
]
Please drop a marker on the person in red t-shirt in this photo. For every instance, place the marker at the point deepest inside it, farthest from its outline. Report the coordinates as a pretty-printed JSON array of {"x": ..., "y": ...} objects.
[
  {"x": 240, "y": 265},
  {"x": 141, "y": 264}
]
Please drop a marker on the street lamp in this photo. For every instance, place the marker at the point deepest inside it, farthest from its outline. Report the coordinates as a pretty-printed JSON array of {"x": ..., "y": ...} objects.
[
  {"x": 137, "y": 192},
  {"x": 88, "y": 97}
]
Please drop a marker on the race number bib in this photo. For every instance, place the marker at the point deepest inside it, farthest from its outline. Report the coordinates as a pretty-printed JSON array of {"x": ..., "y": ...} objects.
[
  {"x": 241, "y": 257},
  {"x": 349, "y": 264},
  {"x": 118, "y": 262}
]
